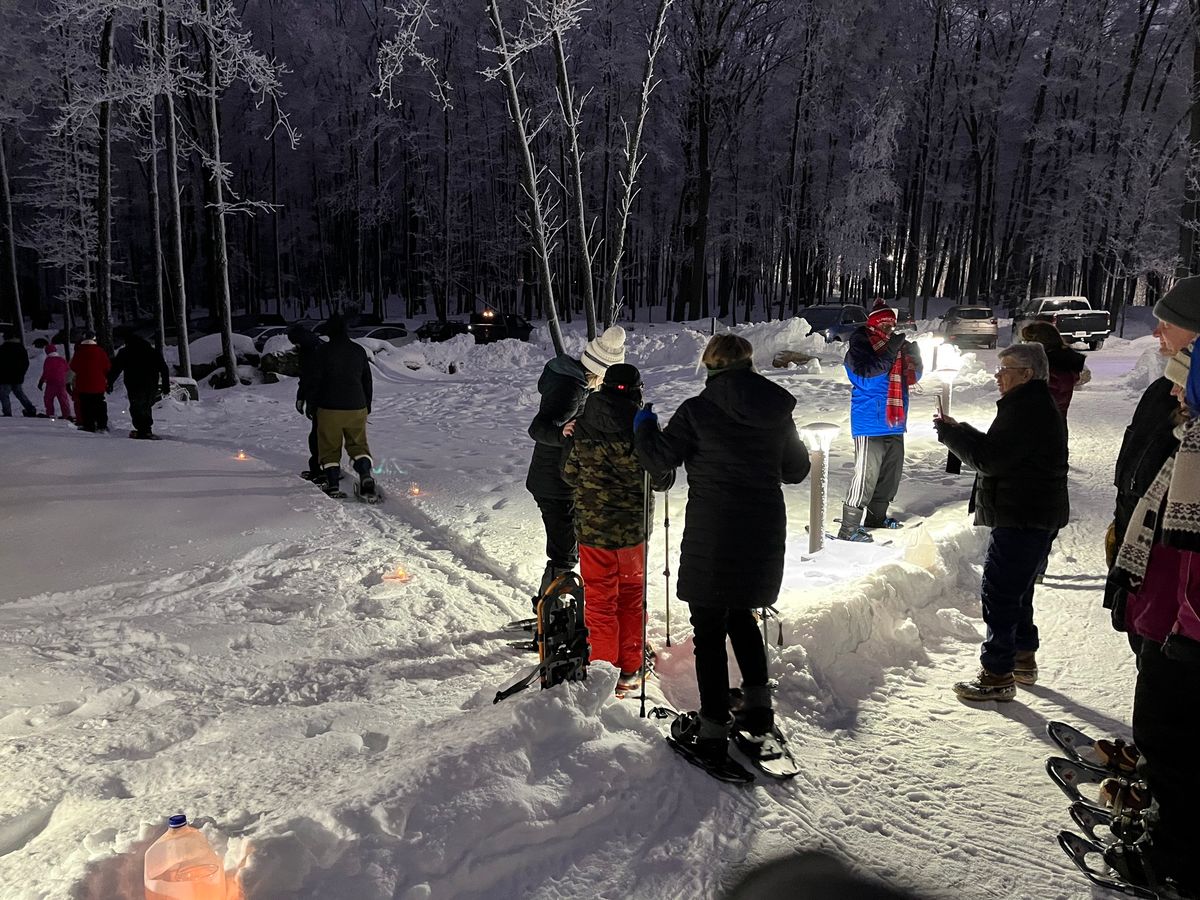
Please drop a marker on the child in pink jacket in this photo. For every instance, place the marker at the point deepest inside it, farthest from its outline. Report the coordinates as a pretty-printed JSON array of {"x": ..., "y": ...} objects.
[{"x": 54, "y": 382}]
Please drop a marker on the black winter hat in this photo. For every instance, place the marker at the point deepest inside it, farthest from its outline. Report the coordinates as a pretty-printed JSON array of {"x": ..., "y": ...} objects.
[
  {"x": 335, "y": 326},
  {"x": 623, "y": 377}
]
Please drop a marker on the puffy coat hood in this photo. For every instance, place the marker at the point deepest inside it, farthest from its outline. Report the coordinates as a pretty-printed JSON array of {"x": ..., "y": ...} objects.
[
  {"x": 748, "y": 398},
  {"x": 607, "y": 416},
  {"x": 566, "y": 366}
]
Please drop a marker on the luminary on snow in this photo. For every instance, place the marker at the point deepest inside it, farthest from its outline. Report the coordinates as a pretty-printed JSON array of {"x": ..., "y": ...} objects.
[
  {"x": 399, "y": 574},
  {"x": 241, "y": 456},
  {"x": 414, "y": 490},
  {"x": 817, "y": 437}
]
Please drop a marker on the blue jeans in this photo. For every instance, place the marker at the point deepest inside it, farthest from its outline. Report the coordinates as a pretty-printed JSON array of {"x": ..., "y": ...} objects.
[
  {"x": 1014, "y": 556},
  {"x": 17, "y": 391}
]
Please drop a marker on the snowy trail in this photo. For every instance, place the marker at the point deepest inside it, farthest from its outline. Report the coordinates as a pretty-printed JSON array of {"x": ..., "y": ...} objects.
[{"x": 339, "y": 724}]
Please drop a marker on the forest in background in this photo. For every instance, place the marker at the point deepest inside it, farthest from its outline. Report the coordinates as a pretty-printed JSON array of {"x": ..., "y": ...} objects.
[{"x": 294, "y": 156}]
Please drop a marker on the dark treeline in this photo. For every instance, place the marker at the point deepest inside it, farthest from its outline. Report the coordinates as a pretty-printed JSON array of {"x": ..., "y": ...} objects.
[{"x": 795, "y": 150}]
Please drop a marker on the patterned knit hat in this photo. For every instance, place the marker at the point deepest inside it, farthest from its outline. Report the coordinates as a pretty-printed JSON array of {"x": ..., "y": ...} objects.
[
  {"x": 880, "y": 314},
  {"x": 606, "y": 350}
]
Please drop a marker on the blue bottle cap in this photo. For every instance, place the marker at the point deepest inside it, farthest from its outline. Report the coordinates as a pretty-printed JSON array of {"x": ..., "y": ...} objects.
[{"x": 177, "y": 821}]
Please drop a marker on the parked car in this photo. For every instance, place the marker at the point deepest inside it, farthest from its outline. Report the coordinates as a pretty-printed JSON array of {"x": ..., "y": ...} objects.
[
  {"x": 260, "y": 334},
  {"x": 836, "y": 321},
  {"x": 437, "y": 330},
  {"x": 489, "y": 325},
  {"x": 1072, "y": 316},
  {"x": 965, "y": 325},
  {"x": 396, "y": 335}
]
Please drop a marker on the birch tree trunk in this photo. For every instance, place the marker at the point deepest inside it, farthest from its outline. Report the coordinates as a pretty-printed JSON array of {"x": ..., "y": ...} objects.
[
  {"x": 174, "y": 214},
  {"x": 155, "y": 207},
  {"x": 220, "y": 242},
  {"x": 10, "y": 243},
  {"x": 104, "y": 198},
  {"x": 633, "y": 162},
  {"x": 537, "y": 221},
  {"x": 1191, "y": 190}
]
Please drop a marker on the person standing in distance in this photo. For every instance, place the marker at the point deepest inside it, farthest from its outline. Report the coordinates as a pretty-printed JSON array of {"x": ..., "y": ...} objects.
[
  {"x": 881, "y": 365},
  {"x": 564, "y": 387},
  {"x": 343, "y": 387}
]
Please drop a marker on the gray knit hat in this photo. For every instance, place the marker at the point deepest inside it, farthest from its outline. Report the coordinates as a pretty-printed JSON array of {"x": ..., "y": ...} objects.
[{"x": 1180, "y": 305}]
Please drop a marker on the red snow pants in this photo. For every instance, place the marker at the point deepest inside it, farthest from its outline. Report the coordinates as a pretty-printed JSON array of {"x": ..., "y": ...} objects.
[{"x": 613, "y": 604}]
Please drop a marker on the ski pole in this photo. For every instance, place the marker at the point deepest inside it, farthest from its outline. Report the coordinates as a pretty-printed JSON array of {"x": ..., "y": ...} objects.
[
  {"x": 667, "y": 556},
  {"x": 645, "y": 577}
]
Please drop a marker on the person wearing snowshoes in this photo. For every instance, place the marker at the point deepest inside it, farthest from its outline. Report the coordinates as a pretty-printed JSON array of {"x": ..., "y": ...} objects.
[
  {"x": 90, "y": 365},
  {"x": 608, "y": 485},
  {"x": 1150, "y": 437},
  {"x": 1020, "y": 492},
  {"x": 881, "y": 364},
  {"x": 53, "y": 382},
  {"x": 306, "y": 344},
  {"x": 739, "y": 445},
  {"x": 1158, "y": 568},
  {"x": 564, "y": 385},
  {"x": 147, "y": 379},
  {"x": 14, "y": 363},
  {"x": 342, "y": 388}
]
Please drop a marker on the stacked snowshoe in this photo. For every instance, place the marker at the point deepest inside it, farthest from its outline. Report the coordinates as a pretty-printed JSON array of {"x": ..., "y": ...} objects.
[
  {"x": 561, "y": 637},
  {"x": 1113, "y": 853}
]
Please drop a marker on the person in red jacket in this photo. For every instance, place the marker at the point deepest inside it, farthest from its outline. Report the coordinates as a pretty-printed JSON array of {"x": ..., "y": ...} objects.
[
  {"x": 91, "y": 365},
  {"x": 54, "y": 383}
]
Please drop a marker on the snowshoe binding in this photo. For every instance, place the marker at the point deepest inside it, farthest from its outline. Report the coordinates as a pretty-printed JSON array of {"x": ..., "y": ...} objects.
[
  {"x": 561, "y": 637},
  {"x": 759, "y": 739},
  {"x": 709, "y": 754},
  {"x": 1102, "y": 827},
  {"x": 1117, "y": 794},
  {"x": 1089, "y": 858},
  {"x": 1115, "y": 757}
]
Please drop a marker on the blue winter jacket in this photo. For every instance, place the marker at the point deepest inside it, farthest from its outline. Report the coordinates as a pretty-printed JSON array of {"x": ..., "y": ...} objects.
[{"x": 868, "y": 373}]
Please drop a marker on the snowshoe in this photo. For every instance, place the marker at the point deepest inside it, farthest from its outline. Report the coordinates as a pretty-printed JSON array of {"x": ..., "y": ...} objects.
[
  {"x": 1115, "y": 757},
  {"x": 529, "y": 625},
  {"x": 310, "y": 475},
  {"x": 561, "y": 637},
  {"x": 1089, "y": 858},
  {"x": 367, "y": 491},
  {"x": 1118, "y": 794},
  {"x": 713, "y": 757},
  {"x": 857, "y": 535},
  {"x": 1102, "y": 827},
  {"x": 767, "y": 752}
]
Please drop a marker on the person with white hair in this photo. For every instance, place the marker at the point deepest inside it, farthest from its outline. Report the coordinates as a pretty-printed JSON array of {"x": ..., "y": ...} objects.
[{"x": 1020, "y": 492}]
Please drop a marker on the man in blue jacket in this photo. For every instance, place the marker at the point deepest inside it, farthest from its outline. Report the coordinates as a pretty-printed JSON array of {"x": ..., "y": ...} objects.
[{"x": 881, "y": 365}]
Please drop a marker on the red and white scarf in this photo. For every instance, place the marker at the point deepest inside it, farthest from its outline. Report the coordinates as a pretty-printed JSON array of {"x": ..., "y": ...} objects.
[{"x": 900, "y": 377}]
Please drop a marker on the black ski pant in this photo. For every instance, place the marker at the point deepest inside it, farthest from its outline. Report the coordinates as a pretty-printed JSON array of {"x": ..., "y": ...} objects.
[
  {"x": 558, "y": 516},
  {"x": 92, "y": 412},
  {"x": 710, "y": 626},
  {"x": 1014, "y": 556},
  {"x": 314, "y": 456},
  {"x": 878, "y": 464},
  {"x": 141, "y": 408},
  {"x": 1165, "y": 731}
]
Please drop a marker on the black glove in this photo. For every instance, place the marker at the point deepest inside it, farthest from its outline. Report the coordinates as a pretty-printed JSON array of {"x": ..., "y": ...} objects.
[
  {"x": 896, "y": 341},
  {"x": 300, "y": 407},
  {"x": 1182, "y": 649}
]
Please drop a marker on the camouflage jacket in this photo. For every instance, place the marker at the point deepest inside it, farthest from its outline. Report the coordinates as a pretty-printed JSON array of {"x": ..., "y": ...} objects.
[{"x": 605, "y": 476}]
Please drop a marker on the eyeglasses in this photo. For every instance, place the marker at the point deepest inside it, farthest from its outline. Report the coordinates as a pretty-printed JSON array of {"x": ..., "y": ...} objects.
[{"x": 1001, "y": 369}]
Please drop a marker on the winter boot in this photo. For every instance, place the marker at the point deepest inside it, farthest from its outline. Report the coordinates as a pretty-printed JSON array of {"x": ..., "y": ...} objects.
[
  {"x": 333, "y": 474},
  {"x": 752, "y": 711},
  {"x": 884, "y": 522},
  {"x": 852, "y": 530},
  {"x": 628, "y": 682},
  {"x": 987, "y": 686},
  {"x": 1025, "y": 667},
  {"x": 366, "y": 481},
  {"x": 705, "y": 738}
]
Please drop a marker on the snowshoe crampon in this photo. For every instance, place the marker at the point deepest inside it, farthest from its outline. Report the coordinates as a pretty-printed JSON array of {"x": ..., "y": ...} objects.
[
  {"x": 561, "y": 637},
  {"x": 1117, "y": 757},
  {"x": 1088, "y": 857}
]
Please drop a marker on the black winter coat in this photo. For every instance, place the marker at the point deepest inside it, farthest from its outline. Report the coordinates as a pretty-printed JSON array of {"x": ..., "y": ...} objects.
[
  {"x": 14, "y": 362},
  {"x": 306, "y": 350},
  {"x": 143, "y": 366},
  {"x": 341, "y": 375},
  {"x": 563, "y": 386},
  {"x": 1020, "y": 463},
  {"x": 739, "y": 444},
  {"x": 1148, "y": 443}
]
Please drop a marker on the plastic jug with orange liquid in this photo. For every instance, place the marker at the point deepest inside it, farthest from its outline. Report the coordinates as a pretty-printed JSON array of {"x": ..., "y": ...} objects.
[{"x": 181, "y": 865}]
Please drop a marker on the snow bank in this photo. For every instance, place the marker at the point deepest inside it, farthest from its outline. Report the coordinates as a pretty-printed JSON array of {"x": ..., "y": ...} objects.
[{"x": 207, "y": 350}]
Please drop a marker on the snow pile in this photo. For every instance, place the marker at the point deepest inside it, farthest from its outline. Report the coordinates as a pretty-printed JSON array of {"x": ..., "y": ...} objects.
[
  {"x": 207, "y": 350},
  {"x": 1149, "y": 367}
]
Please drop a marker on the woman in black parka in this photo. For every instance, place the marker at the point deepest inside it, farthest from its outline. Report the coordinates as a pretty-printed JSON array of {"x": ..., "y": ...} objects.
[{"x": 739, "y": 444}]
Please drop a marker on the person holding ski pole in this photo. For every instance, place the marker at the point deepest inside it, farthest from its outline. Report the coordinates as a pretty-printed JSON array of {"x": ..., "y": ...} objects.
[
  {"x": 608, "y": 489},
  {"x": 739, "y": 445}
]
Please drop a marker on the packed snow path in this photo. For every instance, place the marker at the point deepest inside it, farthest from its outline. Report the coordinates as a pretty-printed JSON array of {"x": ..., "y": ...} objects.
[{"x": 185, "y": 630}]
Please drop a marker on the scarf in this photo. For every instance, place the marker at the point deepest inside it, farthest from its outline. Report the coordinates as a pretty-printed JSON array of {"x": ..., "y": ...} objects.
[
  {"x": 1134, "y": 555},
  {"x": 899, "y": 377},
  {"x": 1181, "y": 519}
]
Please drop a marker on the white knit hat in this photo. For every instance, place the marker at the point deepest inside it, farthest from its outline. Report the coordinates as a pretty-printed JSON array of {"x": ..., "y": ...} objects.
[{"x": 606, "y": 350}]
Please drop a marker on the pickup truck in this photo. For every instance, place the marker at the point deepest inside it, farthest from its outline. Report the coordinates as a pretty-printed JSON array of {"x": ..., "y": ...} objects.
[{"x": 1072, "y": 316}]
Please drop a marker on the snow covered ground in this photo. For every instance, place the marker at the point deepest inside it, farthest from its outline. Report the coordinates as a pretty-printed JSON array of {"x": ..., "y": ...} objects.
[{"x": 183, "y": 630}]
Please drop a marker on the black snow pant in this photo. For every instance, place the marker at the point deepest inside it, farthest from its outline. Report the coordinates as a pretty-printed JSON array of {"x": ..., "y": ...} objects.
[
  {"x": 878, "y": 464},
  {"x": 1014, "y": 556},
  {"x": 562, "y": 547},
  {"x": 141, "y": 409},
  {"x": 1165, "y": 734},
  {"x": 710, "y": 626},
  {"x": 91, "y": 411}
]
